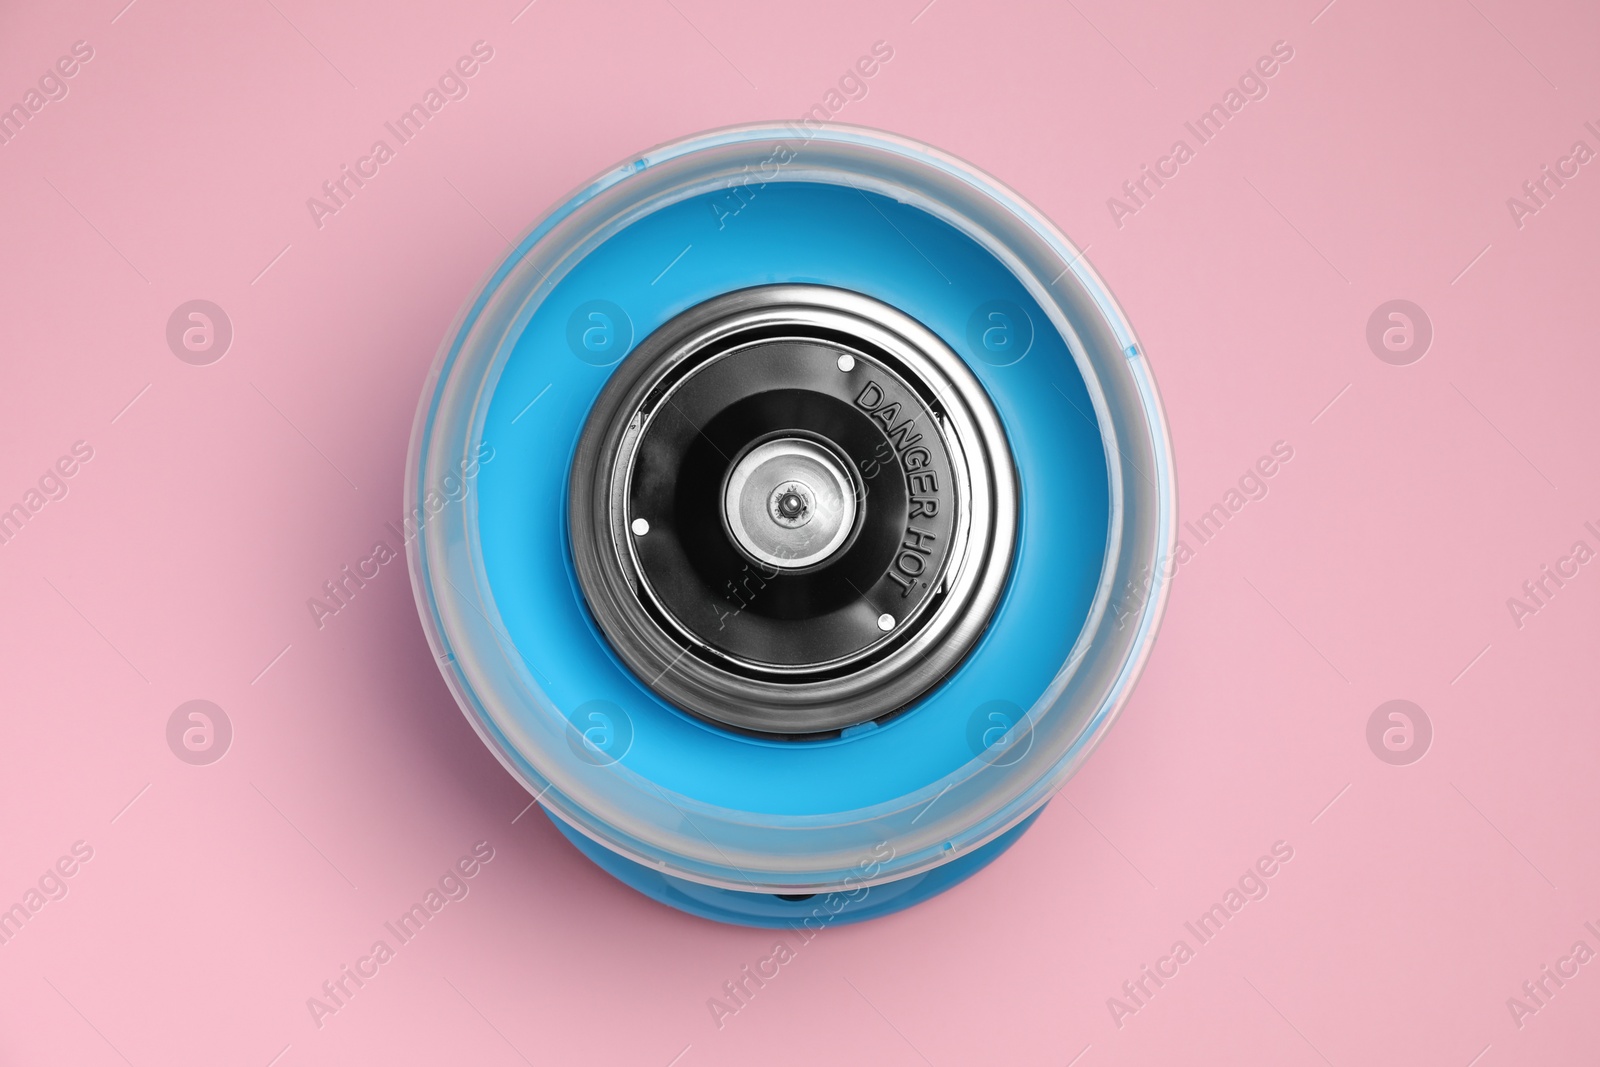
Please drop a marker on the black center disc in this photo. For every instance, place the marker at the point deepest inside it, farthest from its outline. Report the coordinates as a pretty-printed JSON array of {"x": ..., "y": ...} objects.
[{"x": 755, "y": 613}]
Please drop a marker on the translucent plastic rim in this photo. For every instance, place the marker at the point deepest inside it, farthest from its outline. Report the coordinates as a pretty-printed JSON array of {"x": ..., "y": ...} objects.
[{"x": 719, "y": 846}]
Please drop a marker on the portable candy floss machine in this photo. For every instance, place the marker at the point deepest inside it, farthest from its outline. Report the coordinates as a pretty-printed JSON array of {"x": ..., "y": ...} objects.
[{"x": 794, "y": 513}]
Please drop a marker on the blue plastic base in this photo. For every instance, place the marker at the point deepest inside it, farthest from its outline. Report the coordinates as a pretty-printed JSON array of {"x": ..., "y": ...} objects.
[{"x": 811, "y": 913}]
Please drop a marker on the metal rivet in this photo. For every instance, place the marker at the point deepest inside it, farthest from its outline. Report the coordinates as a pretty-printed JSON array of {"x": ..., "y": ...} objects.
[
  {"x": 886, "y": 622},
  {"x": 641, "y": 527},
  {"x": 847, "y": 363}
]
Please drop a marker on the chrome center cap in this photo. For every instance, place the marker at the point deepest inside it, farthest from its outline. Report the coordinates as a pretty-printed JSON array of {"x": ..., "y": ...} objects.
[{"x": 789, "y": 503}]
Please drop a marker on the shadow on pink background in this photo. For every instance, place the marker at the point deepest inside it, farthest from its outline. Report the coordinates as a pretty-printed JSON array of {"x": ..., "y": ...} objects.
[{"x": 218, "y": 498}]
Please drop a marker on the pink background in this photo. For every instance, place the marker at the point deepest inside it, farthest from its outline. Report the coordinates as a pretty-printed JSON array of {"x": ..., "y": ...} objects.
[{"x": 1378, "y": 568}]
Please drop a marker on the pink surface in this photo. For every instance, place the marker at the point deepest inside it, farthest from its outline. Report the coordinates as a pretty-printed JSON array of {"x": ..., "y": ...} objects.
[{"x": 219, "y": 497}]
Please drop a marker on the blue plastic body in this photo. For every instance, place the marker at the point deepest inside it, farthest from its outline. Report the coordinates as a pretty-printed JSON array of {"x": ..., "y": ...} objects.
[{"x": 805, "y": 913}]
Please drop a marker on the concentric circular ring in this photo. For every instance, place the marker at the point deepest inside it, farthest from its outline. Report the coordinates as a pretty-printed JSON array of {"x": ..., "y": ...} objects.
[{"x": 760, "y": 620}]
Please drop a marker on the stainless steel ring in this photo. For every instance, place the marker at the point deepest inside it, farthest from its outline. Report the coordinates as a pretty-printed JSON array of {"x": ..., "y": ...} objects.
[{"x": 909, "y": 653}]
